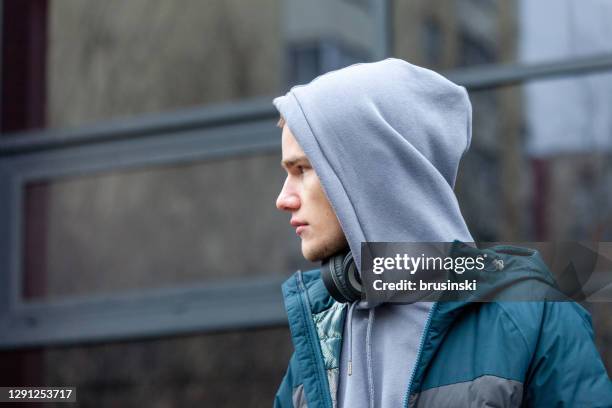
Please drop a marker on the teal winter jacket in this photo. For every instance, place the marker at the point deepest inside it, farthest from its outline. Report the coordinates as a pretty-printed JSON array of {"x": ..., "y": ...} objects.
[{"x": 495, "y": 354}]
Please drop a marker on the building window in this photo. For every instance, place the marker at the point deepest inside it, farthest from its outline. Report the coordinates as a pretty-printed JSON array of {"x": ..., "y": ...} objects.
[
  {"x": 306, "y": 61},
  {"x": 432, "y": 41},
  {"x": 474, "y": 51}
]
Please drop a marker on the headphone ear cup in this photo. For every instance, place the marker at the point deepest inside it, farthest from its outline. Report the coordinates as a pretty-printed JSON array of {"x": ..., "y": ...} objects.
[
  {"x": 352, "y": 275},
  {"x": 341, "y": 278}
]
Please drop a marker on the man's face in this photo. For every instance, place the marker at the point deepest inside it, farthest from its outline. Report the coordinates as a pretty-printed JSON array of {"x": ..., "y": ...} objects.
[{"x": 311, "y": 213}]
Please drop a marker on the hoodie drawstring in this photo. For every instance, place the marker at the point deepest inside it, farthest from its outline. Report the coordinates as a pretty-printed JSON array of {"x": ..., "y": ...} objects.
[
  {"x": 369, "y": 355},
  {"x": 368, "y": 348},
  {"x": 350, "y": 337}
]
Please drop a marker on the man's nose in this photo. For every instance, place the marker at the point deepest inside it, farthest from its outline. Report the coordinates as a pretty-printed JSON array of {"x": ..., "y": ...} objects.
[{"x": 287, "y": 200}]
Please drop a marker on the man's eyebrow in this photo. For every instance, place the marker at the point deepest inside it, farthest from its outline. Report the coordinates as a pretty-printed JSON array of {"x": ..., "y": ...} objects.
[{"x": 292, "y": 161}]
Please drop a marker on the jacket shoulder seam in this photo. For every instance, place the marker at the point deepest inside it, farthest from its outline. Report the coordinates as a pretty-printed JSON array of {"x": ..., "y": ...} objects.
[
  {"x": 473, "y": 379},
  {"x": 515, "y": 324}
]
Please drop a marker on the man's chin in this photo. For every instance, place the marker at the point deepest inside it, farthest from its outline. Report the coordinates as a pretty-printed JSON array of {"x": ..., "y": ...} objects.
[
  {"x": 312, "y": 257},
  {"x": 313, "y": 254}
]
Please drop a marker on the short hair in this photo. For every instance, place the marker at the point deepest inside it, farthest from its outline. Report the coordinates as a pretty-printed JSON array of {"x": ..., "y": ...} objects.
[{"x": 281, "y": 122}]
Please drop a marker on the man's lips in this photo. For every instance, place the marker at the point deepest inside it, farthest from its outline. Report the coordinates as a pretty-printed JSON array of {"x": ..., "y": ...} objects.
[{"x": 300, "y": 226}]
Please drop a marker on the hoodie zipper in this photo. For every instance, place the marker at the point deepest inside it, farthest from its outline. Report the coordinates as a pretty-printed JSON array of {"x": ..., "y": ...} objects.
[
  {"x": 418, "y": 358},
  {"x": 312, "y": 340}
]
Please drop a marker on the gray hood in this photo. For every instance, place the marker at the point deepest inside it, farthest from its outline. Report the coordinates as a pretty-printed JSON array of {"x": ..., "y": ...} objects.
[{"x": 385, "y": 139}]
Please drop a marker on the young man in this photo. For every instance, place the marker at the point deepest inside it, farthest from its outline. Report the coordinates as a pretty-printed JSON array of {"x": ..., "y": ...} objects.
[{"x": 371, "y": 153}]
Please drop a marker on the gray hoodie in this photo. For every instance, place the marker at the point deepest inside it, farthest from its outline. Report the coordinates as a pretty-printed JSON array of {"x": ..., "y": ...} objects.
[{"x": 385, "y": 139}]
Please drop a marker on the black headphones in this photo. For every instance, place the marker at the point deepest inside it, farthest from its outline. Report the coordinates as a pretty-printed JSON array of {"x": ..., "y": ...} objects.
[{"x": 341, "y": 277}]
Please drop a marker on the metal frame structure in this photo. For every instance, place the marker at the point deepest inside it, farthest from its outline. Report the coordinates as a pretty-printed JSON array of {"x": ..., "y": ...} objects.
[
  {"x": 166, "y": 139},
  {"x": 169, "y": 138}
]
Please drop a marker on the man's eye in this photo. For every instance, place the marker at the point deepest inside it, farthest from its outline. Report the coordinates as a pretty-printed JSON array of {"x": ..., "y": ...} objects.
[{"x": 300, "y": 169}]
